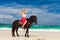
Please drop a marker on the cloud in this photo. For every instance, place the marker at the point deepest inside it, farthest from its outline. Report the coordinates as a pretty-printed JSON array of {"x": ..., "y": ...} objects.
[
  {"x": 5, "y": 16},
  {"x": 7, "y": 19},
  {"x": 8, "y": 10},
  {"x": 45, "y": 17}
]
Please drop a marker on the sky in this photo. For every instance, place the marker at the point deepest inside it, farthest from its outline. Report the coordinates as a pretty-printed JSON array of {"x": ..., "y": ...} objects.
[{"x": 47, "y": 11}]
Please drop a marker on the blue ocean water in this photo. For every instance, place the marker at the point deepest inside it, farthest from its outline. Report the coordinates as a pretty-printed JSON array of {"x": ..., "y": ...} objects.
[{"x": 34, "y": 26}]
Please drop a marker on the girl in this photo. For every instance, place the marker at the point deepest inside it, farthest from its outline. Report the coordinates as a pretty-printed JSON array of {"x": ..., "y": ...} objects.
[{"x": 23, "y": 19}]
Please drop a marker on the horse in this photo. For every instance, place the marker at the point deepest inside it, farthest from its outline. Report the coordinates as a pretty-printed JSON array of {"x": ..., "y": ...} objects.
[{"x": 15, "y": 25}]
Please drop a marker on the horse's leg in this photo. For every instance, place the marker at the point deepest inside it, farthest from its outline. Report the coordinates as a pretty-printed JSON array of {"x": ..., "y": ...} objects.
[
  {"x": 13, "y": 31},
  {"x": 27, "y": 33},
  {"x": 17, "y": 32}
]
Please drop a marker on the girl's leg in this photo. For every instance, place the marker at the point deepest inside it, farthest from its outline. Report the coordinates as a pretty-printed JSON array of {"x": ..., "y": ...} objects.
[{"x": 24, "y": 24}]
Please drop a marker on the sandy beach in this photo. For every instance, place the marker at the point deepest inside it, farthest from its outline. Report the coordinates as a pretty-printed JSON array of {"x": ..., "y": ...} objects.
[{"x": 34, "y": 35}]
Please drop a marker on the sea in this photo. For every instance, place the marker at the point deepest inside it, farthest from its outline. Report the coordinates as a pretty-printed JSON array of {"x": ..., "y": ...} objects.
[{"x": 34, "y": 27}]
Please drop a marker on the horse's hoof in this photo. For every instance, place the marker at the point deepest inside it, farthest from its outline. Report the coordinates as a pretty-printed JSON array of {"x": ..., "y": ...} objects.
[
  {"x": 27, "y": 35},
  {"x": 13, "y": 36},
  {"x": 17, "y": 35}
]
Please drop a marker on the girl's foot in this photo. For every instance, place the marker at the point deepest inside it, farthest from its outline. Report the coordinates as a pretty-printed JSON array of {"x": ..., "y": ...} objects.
[{"x": 22, "y": 27}]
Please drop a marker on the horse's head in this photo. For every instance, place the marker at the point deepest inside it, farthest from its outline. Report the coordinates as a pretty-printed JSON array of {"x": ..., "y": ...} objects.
[{"x": 33, "y": 19}]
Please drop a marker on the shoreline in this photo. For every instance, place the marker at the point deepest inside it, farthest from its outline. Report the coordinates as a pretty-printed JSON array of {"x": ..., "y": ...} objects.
[{"x": 49, "y": 30}]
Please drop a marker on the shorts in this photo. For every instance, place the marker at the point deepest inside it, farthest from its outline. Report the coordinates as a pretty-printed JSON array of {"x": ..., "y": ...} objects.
[{"x": 23, "y": 19}]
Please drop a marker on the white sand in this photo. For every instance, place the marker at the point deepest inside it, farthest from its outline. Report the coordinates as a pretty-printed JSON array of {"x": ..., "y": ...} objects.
[{"x": 34, "y": 35}]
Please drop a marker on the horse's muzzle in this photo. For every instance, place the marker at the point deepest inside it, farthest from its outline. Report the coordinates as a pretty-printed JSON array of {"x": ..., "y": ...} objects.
[{"x": 36, "y": 23}]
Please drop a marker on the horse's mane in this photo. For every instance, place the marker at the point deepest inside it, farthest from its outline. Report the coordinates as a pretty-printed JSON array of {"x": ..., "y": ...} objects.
[{"x": 30, "y": 17}]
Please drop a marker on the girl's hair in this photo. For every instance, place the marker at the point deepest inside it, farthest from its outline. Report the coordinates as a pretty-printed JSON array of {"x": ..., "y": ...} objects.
[{"x": 23, "y": 10}]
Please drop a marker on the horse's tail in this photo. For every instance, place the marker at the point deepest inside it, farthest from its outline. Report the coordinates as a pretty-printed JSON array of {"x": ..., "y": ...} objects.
[
  {"x": 14, "y": 24},
  {"x": 12, "y": 27}
]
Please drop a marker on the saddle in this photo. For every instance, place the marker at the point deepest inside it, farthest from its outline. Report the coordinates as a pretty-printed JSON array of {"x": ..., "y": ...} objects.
[{"x": 21, "y": 23}]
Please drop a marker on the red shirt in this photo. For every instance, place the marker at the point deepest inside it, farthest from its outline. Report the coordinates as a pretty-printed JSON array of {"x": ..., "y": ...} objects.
[{"x": 23, "y": 19}]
